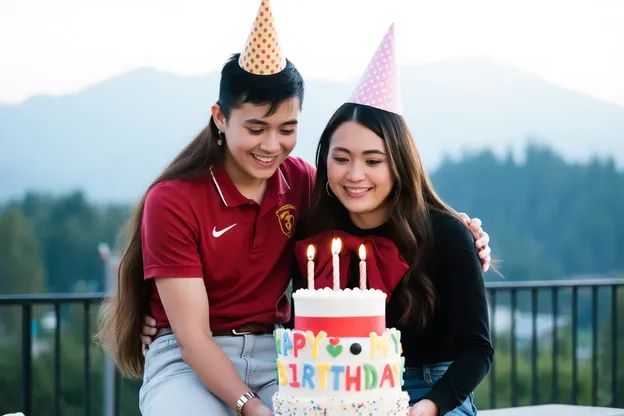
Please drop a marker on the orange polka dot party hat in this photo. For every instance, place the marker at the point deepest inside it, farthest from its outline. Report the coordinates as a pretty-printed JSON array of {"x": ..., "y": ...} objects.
[{"x": 262, "y": 54}]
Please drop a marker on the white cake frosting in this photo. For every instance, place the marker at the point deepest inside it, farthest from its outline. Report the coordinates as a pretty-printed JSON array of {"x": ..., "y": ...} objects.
[
  {"x": 347, "y": 302},
  {"x": 324, "y": 373}
]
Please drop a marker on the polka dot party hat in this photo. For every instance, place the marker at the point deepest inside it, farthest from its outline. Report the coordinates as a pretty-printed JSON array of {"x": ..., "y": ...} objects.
[
  {"x": 262, "y": 54},
  {"x": 379, "y": 86}
]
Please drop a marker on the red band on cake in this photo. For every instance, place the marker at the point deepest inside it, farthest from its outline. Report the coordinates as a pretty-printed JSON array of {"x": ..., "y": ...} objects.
[{"x": 348, "y": 326}]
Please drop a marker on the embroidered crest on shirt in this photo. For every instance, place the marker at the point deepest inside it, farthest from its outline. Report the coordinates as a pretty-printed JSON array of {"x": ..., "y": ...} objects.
[{"x": 286, "y": 219}]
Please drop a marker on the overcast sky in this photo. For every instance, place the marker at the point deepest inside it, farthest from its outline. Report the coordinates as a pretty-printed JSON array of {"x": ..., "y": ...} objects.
[{"x": 63, "y": 46}]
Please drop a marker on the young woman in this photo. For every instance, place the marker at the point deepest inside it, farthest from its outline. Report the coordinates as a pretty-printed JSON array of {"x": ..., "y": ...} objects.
[
  {"x": 211, "y": 251},
  {"x": 371, "y": 188}
]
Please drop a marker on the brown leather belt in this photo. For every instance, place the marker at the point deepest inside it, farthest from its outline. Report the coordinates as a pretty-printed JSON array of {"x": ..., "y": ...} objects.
[{"x": 247, "y": 329}]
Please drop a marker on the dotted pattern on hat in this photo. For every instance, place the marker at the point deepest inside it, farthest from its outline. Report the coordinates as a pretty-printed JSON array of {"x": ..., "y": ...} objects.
[
  {"x": 262, "y": 54},
  {"x": 379, "y": 86}
]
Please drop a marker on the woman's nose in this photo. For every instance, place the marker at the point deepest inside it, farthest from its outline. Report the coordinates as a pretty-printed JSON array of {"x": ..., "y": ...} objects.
[{"x": 355, "y": 172}]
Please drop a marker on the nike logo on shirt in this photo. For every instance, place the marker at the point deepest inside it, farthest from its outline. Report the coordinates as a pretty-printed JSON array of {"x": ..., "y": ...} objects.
[{"x": 217, "y": 234}]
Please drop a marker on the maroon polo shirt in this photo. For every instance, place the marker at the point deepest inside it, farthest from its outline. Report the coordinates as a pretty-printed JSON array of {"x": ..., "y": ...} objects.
[{"x": 244, "y": 251}]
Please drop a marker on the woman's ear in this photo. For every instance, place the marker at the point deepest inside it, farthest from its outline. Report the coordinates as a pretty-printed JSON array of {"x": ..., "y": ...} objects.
[
  {"x": 395, "y": 189},
  {"x": 218, "y": 117}
]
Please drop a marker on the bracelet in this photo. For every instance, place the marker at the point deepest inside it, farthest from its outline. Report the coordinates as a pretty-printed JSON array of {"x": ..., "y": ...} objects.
[{"x": 242, "y": 400}]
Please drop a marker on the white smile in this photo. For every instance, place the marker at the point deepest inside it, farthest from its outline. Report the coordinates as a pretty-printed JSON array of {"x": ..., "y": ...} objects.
[
  {"x": 357, "y": 190},
  {"x": 264, "y": 159}
]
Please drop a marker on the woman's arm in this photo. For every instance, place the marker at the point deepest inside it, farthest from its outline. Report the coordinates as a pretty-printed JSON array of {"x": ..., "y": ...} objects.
[
  {"x": 460, "y": 285},
  {"x": 169, "y": 237}
]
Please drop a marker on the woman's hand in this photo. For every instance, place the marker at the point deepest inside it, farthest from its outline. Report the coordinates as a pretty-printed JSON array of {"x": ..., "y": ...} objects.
[
  {"x": 424, "y": 407},
  {"x": 147, "y": 332},
  {"x": 483, "y": 240},
  {"x": 255, "y": 407}
]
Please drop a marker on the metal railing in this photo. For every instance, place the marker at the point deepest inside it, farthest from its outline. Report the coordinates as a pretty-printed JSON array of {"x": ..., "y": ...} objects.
[
  {"x": 27, "y": 302},
  {"x": 496, "y": 291},
  {"x": 555, "y": 291}
]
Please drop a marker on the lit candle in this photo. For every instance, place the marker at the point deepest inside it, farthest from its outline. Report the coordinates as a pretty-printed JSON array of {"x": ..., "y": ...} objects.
[
  {"x": 336, "y": 246},
  {"x": 362, "y": 267},
  {"x": 311, "y": 267}
]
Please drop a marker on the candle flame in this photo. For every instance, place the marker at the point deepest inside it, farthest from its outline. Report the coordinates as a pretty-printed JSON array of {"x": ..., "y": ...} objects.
[
  {"x": 336, "y": 246},
  {"x": 310, "y": 252},
  {"x": 362, "y": 252}
]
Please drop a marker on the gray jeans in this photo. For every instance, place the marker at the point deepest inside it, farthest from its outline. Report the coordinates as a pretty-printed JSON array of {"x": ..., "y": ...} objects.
[{"x": 170, "y": 386}]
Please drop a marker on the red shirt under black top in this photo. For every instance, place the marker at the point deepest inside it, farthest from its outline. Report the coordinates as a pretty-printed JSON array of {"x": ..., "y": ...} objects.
[{"x": 244, "y": 251}]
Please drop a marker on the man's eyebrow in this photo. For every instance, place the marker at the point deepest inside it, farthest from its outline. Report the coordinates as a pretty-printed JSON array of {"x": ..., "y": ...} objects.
[{"x": 292, "y": 122}]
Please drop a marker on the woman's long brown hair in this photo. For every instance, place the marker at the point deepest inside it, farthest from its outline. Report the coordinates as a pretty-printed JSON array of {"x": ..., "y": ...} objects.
[
  {"x": 121, "y": 315},
  {"x": 412, "y": 200}
]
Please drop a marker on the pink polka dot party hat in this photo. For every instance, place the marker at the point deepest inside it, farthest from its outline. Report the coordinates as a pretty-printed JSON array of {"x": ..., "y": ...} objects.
[
  {"x": 379, "y": 85},
  {"x": 262, "y": 54}
]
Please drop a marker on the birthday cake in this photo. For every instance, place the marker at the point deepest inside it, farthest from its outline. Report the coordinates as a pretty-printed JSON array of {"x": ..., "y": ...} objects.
[{"x": 340, "y": 359}]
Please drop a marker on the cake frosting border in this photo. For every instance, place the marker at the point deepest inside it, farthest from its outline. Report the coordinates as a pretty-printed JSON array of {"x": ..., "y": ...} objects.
[{"x": 387, "y": 405}]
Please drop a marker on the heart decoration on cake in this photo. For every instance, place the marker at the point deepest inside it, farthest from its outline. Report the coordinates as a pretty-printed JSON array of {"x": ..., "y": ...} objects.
[
  {"x": 334, "y": 341},
  {"x": 334, "y": 350}
]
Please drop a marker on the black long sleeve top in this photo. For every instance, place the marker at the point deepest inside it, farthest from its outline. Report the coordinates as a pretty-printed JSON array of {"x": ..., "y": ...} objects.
[{"x": 459, "y": 330}]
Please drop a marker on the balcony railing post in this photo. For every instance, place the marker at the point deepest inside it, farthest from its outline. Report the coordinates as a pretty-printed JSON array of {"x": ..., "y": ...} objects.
[
  {"x": 87, "y": 359},
  {"x": 493, "y": 335},
  {"x": 614, "y": 349},
  {"x": 555, "y": 345},
  {"x": 116, "y": 395},
  {"x": 574, "y": 344},
  {"x": 57, "y": 359},
  {"x": 27, "y": 359},
  {"x": 514, "y": 363},
  {"x": 534, "y": 397},
  {"x": 594, "y": 346},
  {"x": 111, "y": 263}
]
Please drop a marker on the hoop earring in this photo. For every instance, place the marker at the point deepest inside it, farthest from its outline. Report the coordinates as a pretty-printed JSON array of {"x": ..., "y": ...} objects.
[
  {"x": 328, "y": 189},
  {"x": 220, "y": 140}
]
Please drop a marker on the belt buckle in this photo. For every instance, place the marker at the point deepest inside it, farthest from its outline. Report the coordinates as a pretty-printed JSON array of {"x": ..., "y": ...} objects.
[{"x": 235, "y": 332}]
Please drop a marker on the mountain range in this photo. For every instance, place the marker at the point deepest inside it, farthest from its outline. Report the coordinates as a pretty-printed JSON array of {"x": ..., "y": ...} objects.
[{"x": 112, "y": 138}]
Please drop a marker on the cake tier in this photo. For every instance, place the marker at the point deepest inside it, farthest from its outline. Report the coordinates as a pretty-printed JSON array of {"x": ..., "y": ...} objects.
[
  {"x": 340, "y": 313},
  {"x": 352, "y": 368},
  {"x": 396, "y": 404}
]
